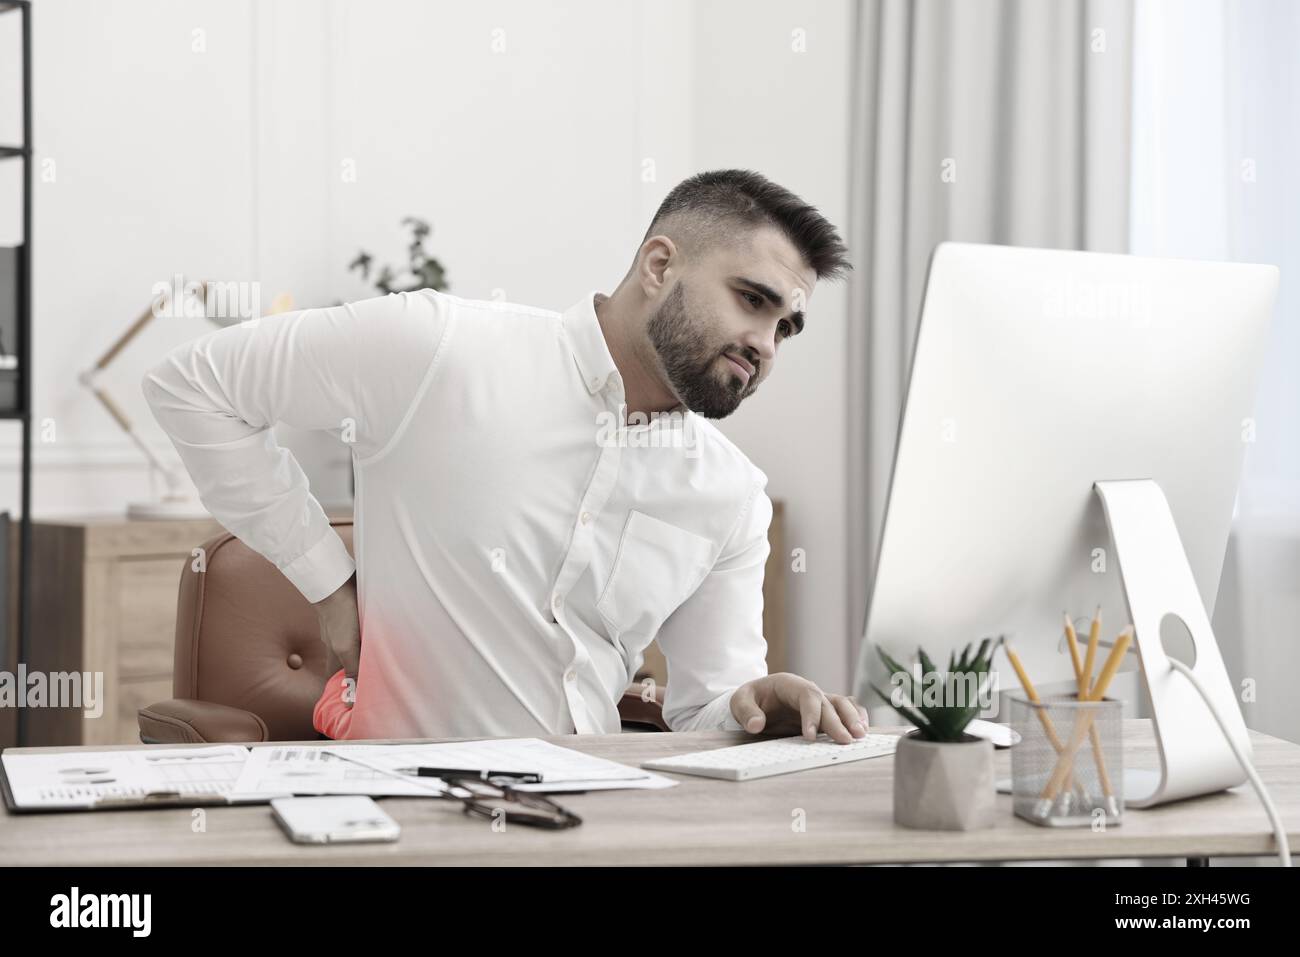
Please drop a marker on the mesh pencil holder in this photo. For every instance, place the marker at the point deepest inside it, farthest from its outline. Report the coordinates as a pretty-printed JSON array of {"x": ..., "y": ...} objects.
[{"x": 1068, "y": 769}]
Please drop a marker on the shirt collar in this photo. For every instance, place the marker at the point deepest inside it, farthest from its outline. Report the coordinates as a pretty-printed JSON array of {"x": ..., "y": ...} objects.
[
  {"x": 587, "y": 341},
  {"x": 590, "y": 352}
]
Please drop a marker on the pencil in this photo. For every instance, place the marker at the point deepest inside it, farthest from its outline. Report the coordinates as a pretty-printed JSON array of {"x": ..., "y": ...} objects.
[
  {"x": 1113, "y": 662},
  {"x": 1065, "y": 765},
  {"x": 1083, "y": 679},
  {"x": 1085, "y": 686},
  {"x": 1073, "y": 641},
  {"x": 1094, "y": 632},
  {"x": 1032, "y": 694}
]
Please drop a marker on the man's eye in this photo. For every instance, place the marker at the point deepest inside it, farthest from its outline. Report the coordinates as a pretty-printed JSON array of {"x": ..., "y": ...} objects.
[
  {"x": 752, "y": 299},
  {"x": 784, "y": 328}
]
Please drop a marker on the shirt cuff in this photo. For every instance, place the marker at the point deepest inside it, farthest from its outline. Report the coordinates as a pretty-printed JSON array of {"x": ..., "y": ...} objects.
[
  {"x": 321, "y": 570},
  {"x": 716, "y": 715}
]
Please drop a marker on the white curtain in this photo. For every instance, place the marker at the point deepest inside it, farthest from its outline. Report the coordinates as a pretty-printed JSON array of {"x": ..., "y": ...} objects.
[
  {"x": 1216, "y": 154},
  {"x": 974, "y": 120}
]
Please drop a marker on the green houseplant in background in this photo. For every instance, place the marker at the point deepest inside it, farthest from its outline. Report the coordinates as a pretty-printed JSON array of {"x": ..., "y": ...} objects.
[
  {"x": 421, "y": 271},
  {"x": 943, "y": 776}
]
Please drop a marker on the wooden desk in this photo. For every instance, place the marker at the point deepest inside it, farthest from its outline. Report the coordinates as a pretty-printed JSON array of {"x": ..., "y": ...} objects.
[{"x": 847, "y": 809}]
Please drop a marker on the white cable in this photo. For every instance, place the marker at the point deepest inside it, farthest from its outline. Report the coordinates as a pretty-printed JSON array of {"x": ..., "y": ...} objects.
[{"x": 1279, "y": 832}]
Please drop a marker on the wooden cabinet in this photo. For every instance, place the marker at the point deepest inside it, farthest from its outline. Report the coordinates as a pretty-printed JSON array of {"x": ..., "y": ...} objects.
[{"x": 104, "y": 600}]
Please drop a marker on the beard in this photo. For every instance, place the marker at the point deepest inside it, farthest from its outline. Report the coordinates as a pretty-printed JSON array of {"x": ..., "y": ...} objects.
[{"x": 689, "y": 356}]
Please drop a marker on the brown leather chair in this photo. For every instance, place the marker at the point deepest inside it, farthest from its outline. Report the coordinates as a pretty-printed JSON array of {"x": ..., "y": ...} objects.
[{"x": 250, "y": 664}]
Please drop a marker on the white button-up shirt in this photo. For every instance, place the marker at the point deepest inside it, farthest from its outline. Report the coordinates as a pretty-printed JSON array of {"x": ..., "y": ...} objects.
[{"x": 518, "y": 543}]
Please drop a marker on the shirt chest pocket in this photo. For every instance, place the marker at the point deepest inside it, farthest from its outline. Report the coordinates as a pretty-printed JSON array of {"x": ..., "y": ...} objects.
[{"x": 657, "y": 567}]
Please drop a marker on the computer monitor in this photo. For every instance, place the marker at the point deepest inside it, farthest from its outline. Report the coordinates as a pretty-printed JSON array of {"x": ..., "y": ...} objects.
[{"x": 1037, "y": 373}]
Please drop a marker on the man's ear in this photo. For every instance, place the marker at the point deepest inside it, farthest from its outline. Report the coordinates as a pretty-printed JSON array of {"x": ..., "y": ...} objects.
[{"x": 657, "y": 254}]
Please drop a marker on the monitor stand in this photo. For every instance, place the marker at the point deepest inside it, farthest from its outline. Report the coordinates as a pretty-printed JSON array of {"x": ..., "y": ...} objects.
[{"x": 1194, "y": 757}]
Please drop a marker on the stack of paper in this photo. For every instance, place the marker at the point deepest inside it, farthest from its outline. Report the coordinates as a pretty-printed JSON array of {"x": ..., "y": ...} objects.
[
  {"x": 372, "y": 768},
  {"x": 69, "y": 780}
]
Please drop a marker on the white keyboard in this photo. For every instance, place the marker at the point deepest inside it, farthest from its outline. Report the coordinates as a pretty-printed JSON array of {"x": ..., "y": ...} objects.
[{"x": 762, "y": 759}]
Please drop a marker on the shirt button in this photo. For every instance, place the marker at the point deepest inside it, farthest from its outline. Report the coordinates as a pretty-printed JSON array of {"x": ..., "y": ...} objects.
[
  {"x": 557, "y": 601},
  {"x": 570, "y": 676},
  {"x": 585, "y": 518},
  {"x": 597, "y": 383}
]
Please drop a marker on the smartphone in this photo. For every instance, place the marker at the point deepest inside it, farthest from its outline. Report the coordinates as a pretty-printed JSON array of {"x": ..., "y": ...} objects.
[{"x": 333, "y": 819}]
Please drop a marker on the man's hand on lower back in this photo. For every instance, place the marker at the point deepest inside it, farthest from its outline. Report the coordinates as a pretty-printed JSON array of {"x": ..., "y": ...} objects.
[
  {"x": 787, "y": 704},
  {"x": 340, "y": 628}
]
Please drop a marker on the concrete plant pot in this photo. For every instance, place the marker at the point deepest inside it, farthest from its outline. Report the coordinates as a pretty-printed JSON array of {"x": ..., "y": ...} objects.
[{"x": 943, "y": 786}]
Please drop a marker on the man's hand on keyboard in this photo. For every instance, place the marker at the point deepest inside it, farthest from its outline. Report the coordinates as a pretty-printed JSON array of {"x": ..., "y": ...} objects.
[{"x": 787, "y": 704}]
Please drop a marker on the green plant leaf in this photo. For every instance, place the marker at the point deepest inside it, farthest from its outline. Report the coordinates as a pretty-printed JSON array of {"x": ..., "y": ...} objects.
[
  {"x": 912, "y": 716},
  {"x": 927, "y": 666},
  {"x": 895, "y": 668},
  {"x": 944, "y": 722}
]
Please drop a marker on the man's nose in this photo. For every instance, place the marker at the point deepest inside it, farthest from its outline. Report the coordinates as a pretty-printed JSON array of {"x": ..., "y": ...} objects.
[{"x": 761, "y": 344}]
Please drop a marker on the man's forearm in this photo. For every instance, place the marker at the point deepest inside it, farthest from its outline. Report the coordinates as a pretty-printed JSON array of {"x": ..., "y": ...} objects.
[
  {"x": 217, "y": 398},
  {"x": 351, "y": 370}
]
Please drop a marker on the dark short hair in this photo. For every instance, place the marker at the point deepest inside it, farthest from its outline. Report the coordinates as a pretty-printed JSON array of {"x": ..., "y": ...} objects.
[{"x": 710, "y": 206}]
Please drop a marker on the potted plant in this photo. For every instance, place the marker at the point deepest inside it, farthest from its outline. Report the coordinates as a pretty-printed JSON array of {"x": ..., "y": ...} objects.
[
  {"x": 421, "y": 271},
  {"x": 943, "y": 776}
]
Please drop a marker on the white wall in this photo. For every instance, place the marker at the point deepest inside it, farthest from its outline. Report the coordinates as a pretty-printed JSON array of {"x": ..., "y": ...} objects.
[
  {"x": 531, "y": 162},
  {"x": 761, "y": 104},
  {"x": 209, "y": 138},
  {"x": 143, "y": 167}
]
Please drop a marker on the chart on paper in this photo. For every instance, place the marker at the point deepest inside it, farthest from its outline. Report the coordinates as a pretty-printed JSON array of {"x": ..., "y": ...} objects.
[{"x": 82, "y": 779}]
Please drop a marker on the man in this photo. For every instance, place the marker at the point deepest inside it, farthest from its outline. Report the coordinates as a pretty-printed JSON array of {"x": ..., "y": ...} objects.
[{"x": 538, "y": 496}]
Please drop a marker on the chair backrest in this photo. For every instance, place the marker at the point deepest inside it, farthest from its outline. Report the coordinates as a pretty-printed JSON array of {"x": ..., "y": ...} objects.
[{"x": 245, "y": 637}]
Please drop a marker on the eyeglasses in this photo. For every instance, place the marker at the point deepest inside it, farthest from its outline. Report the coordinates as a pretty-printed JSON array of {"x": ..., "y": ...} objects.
[
  {"x": 497, "y": 799},
  {"x": 493, "y": 797}
]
